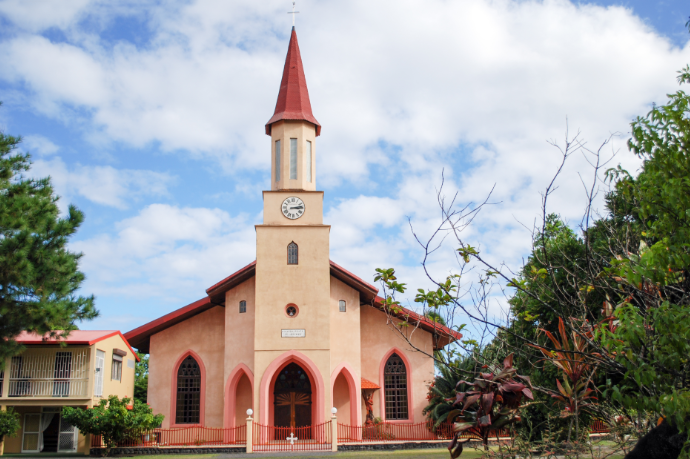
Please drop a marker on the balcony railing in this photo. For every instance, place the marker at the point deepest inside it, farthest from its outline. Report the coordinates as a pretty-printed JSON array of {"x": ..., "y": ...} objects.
[{"x": 49, "y": 373}]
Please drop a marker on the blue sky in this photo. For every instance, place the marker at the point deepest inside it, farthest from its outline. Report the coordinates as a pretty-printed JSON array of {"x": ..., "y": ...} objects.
[{"x": 150, "y": 118}]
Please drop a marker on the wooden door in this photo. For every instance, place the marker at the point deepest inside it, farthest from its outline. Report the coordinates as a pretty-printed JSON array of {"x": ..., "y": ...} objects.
[{"x": 292, "y": 398}]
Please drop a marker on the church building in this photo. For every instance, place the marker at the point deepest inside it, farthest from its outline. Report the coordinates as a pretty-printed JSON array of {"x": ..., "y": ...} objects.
[{"x": 292, "y": 334}]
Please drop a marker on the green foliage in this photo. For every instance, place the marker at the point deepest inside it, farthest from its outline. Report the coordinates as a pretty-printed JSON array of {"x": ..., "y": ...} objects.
[
  {"x": 114, "y": 419},
  {"x": 141, "y": 378},
  {"x": 39, "y": 276},
  {"x": 491, "y": 403},
  {"x": 9, "y": 423}
]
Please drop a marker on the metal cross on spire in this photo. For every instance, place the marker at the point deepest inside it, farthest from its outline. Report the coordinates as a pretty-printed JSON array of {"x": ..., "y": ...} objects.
[{"x": 293, "y": 12}]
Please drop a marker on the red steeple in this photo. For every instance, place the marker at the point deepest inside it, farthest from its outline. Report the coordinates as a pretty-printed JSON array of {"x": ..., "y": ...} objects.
[{"x": 293, "y": 98}]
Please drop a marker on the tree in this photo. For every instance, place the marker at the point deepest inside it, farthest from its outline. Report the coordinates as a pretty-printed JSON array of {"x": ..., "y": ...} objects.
[
  {"x": 39, "y": 277},
  {"x": 620, "y": 284},
  {"x": 9, "y": 424},
  {"x": 141, "y": 378},
  {"x": 114, "y": 419}
]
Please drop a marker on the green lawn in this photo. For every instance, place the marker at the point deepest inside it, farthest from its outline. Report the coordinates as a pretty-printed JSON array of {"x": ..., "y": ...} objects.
[{"x": 401, "y": 454}]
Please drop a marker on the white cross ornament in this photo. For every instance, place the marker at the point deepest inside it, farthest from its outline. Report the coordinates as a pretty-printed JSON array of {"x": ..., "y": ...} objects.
[
  {"x": 292, "y": 438},
  {"x": 293, "y": 12}
]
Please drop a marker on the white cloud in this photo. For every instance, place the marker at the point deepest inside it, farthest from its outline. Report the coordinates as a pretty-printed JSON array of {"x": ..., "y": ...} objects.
[
  {"x": 101, "y": 184},
  {"x": 167, "y": 252},
  {"x": 37, "y": 144},
  {"x": 37, "y": 15},
  {"x": 474, "y": 87}
]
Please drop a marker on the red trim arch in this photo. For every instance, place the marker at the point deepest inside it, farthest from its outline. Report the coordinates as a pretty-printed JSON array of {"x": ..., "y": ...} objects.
[
  {"x": 382, "y": 383},
  {"x": 354, "y": 384},
  {"x": 173, "y": 392},
  {"x": 231, "y": 393},
  {"x": 302, "y": 360}
]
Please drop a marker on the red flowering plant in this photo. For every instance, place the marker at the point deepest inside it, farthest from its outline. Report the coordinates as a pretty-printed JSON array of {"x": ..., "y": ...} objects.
[{"x": 491, "y": 404}]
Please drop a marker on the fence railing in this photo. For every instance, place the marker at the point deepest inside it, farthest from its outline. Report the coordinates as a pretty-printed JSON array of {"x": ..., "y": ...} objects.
[
  {"x": 387, "y": 432},
  {"x": 310, "y": 438},
  {"x": 49, "y": 373},
  {"x": 188, "y": 436}
]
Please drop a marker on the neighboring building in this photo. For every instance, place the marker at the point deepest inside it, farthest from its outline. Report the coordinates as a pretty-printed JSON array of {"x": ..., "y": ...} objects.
[
  {"x": 291, "y": 334},
  {"x": 47, "y": 376}
]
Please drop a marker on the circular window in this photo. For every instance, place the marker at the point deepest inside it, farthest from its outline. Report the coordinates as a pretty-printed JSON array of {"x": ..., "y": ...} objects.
[{"x": 291, "y": 310}]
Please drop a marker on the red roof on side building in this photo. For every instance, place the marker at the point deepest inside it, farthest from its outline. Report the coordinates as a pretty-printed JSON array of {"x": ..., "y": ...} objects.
[
  {"x": 75, "y": 337},
  {"x": 293, "y": 98}
]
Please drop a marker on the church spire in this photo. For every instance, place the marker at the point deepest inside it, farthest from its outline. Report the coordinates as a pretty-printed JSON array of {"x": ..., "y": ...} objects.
[{"x": 293, "y": 98}]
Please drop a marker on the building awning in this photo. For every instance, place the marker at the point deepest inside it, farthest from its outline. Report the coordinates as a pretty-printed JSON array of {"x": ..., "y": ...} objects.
[{"x": 368, "y": 385}]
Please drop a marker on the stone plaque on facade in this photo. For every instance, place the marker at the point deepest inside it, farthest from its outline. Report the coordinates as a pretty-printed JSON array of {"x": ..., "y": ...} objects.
[{"x": 293, "y": 333}]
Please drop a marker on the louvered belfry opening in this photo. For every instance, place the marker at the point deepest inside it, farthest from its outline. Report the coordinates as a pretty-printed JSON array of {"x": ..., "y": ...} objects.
[
  {"x": 395, "y": 386},
  {"x": 188, "y": 392}
]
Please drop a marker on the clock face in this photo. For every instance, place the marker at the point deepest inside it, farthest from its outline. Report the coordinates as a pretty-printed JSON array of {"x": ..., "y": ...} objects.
[{"x": 293, "y": 207}]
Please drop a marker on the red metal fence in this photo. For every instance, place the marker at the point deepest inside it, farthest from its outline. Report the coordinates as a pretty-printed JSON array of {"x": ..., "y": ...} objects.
[
  {"x": 188, "y": 436},
  {"x": 387, "y": 432},
  {"x": 310, "y": 438}
]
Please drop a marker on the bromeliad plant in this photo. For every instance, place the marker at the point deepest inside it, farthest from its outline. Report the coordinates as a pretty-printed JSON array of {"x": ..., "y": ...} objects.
[
  {"x": 574, "y": 361},
  {"x": 491, "y": 404}
]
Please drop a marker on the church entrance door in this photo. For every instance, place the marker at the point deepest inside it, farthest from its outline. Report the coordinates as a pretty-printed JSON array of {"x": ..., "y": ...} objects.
[{"x": 292, "y": 398}]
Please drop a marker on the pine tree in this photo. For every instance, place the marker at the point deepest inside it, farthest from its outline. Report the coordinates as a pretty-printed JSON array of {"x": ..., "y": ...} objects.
[{"x": 39, "y": 277}]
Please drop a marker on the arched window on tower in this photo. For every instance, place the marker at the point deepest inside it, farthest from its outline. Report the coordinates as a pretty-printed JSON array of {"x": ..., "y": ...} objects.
[
  {"x": 342, "y": 306},
  {"x": 395, "y": 386},
  {"x": 243, "y": 306},
  {"x": 188, "y": 392},
  {"x": 292, "y": 253}
]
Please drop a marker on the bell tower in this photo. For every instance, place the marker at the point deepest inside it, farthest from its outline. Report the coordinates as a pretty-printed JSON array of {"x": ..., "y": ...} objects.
[
  {"x": 293, "y": 281},
  {"x": 293, "y": 128}
]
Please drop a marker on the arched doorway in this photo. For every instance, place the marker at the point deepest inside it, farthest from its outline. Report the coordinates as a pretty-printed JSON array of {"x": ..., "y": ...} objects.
[{"x": 292, "y": 398}]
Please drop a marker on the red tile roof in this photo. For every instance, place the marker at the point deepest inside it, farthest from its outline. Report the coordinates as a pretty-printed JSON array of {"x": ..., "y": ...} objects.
[
  {"x": 139, "y": 337},
  {"x": 293, "y": 98},
  {"x": 75, "y": 337},
  {"x": 366, "y": 384}
]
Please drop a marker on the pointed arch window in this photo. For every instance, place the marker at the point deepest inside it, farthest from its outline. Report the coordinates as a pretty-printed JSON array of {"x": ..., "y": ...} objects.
[
  {"x": 188, "y": 392},
  {"x": 243, "y": 306},
  {"x": 292, "y": 254},
  {"x": 395, "y": 386}
]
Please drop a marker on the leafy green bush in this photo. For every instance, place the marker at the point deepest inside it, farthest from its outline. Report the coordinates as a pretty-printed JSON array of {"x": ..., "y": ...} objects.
[
  {"x": 114, "y": 419},
  {"x": 9, "y": 423}
]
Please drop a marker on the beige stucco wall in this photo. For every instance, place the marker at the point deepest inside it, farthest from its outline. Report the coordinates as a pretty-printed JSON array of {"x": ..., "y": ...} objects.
[
  {"x": 378, "y": 339},
  {"x": 122, "y": 388},
  {"x": 243, "y": 400},
  {"x": 313, "y": 208},
  {"x": 345, "y": 343},
  {"x": 239, "y": 327},
  {"x": 341, "y": 400},
  {"x": 205, "y": 335},
  {"x": 303, "y": 132},
  {"x": 306, "y": 285}
]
